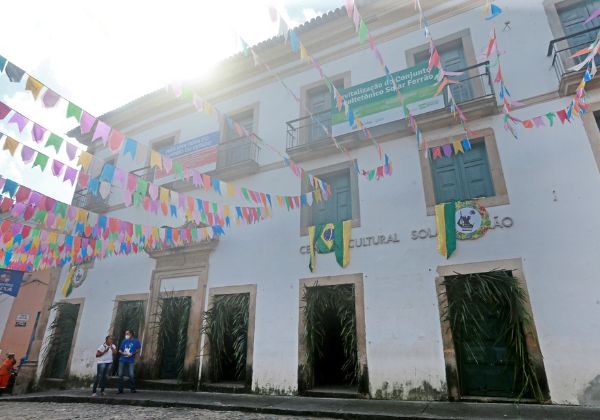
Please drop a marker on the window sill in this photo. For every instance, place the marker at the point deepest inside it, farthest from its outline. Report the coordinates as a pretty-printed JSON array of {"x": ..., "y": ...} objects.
[{"x": 497, "y": 200}]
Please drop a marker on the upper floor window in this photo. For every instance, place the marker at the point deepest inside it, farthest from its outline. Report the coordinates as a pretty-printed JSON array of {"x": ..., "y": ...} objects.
[
  {"x": 343, "y": 204},
  {"x": 245, "y": 119},
  {"x": 158, "y": 146},
  {"x": 477, "y": 173},
  {"x": 463, "y": 176},
  {"x": 453, "y": 58},
  {"x": 572, "y": 16},
  {"x": 318, "y": 102}
]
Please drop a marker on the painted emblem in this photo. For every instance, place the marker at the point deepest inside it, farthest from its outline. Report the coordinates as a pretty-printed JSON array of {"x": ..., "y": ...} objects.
[{"x": 472, "y": 220}]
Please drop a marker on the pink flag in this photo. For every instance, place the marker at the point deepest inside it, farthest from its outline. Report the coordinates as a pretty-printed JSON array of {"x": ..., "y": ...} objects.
[
  {"x": 273, "y": 13},
  {"x": 127, "y": 198},
  {"x": 70, "y": 175},
  {"x": 436, "y": 152},
  {"x": 498, "y": 78},
  {"x": 167, "y": 164},
  {"x": 86, "y": 123},
  {"x": 4, "y": 110},
  {"x": 50, "y": 98},
  {"x": 27, "y": 154},
  {"x": 539, "y": 122},
  {"x": 356, "y": 18},
  {"x": 447, "y": 148},
  {"x": 120, "y": 178},
  {"x": 20, "y": 120},
  {"x": 349, "y": 7},
  {"x": 593, "y": 16},
  {"x": 57, "y": 167},
  {"x": 71, "y": 150},
  {"x": 102, "y": 131},
  {"x": 434, "y": 60},
  {"x": 115, "y": 140},
  {"x": 38, "y": 132}
]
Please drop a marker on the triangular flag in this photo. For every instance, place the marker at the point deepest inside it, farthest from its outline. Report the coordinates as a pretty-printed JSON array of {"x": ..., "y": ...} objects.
[
  {"x": 457, "y": 147},
  {"x": 303, "y": 52},
  {"x": 155, "y": 159},
  {"x": 54, "y": 141},
  {"x": 85, "y": 158},
  {"x": 86, "y": 122},
  {"x": 41, "y": 160},
  {"x": 37, "y": 132},
  {"x": 50, "y": 98},
  {"x": 20, "y": 120},
  {"x": 130, "y": 148},
  {"x": 363, "y": 32},
  {"x": 10, "y": 144},
  {"x": 115, "y": 141},
  {"x": 14, "y": 73},
  {"x": 74, "y": 111},
  {"x": 33, "y": 85},
  {"x": 494, "y": 11},
  {"x": 101, "y": 132}
]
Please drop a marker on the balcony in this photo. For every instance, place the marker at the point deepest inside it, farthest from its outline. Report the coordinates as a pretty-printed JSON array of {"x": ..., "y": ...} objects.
[
  {"x": 475, "y": 96},
  {"x": 237, "y": 158},
  {"x": 561, "y": 50},
  {"x": 94, "y": 203}
]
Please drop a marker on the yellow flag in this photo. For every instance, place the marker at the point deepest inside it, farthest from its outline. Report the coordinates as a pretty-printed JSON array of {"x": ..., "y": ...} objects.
[
  {"x": 10, "y": 144},
  {"x": 155, "y": 159},
  {"x": 457, "y": 145},
  {"x": 303, "y": 52},
  {"x": 34, "y": 86},
  {"x": 85, "y": 159}
]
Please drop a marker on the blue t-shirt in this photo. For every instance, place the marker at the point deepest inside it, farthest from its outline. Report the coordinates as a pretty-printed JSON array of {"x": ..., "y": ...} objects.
[{"x": 131, "y": 345}]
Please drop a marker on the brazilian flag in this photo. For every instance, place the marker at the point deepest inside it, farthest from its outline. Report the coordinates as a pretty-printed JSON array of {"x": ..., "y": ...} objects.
[
  {"x": 446, "y": 228},
  {"x": 330, "y": 237}
]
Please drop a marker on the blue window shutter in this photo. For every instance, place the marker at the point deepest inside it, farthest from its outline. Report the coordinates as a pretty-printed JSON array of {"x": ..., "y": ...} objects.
[
  {"x": 463, "y": 176},
  {"x": 446, "y": 181},
  {"x": 476, "y": 174},
  {"x": 572, "y": 18},
  {"x": 339, "y": 206}
]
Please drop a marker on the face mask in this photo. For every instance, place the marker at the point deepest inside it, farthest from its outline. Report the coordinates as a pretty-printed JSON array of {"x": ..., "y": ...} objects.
[{"x": 127, "y": 336}]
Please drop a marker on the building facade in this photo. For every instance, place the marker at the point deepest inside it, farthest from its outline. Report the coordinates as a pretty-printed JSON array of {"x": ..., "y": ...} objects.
[{"x": 396, "y": 294}]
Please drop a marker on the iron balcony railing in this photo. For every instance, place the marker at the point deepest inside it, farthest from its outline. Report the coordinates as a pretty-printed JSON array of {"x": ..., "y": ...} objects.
[
  {"x": 561, "y": 50},
  {"x": 476, "y": 83},
  {"x": 86, "y": 200},
  {"x": 236, "y": 152}
]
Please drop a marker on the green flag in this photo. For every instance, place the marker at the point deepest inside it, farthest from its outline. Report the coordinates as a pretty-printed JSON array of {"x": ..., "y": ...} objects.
[
  {"x": 54, "y": 141},
  {"x": 74, "y": 111},
  {"x": 41, "y": 160},
  {"x": 363, "y": 32},
  {"x": 330, "y": 237}
]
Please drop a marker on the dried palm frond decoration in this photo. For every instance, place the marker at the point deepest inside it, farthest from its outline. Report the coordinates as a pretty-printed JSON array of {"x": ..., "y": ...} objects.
[
  {"x": 319, "y": 300},
  {"x": 226, "y": 328},
  {"x": 57, "y": 346},
  {"x": 171, "y": 320},
  {"x": 472, "y": 299}
]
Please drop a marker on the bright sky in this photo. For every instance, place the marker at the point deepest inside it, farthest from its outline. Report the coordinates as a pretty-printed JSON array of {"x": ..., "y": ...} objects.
[{"x": 104, "y": 53}]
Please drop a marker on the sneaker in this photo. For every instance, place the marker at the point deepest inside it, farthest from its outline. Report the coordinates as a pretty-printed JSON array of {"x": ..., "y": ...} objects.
[{"x": 93, "y": 394}]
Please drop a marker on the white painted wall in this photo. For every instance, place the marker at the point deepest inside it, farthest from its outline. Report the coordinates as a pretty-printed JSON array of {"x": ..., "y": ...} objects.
[
  {"x": 6, "y": 302},
  {"x": 551, "y": 178}
]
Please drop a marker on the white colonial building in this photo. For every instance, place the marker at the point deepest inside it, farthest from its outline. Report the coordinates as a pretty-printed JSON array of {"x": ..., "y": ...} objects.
[{"x": 542, "y": 193}]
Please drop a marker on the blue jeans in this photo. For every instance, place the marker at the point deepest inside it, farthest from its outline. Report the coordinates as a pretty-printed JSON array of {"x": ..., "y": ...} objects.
[
  {"x": 101, "y": 375},
  {"x": 131, "y": 374}
]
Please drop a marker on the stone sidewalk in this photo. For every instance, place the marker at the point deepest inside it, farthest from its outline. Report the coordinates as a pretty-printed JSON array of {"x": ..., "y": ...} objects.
[{"x": 317, "y": 407}]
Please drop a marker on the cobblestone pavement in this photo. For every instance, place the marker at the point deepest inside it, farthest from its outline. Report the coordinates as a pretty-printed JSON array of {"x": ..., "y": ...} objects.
[{"x": 59, "y": 411}]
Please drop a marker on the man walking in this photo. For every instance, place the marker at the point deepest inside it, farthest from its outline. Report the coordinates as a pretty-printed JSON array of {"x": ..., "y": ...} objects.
[
  {"x": 104, "y": 359},
  {"x": 127, "y": 350}
]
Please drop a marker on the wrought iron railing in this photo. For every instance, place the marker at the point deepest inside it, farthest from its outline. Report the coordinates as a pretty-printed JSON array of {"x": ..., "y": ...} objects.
[
  {"x": 237, "y": 151},
  {"x": 561, "y": 50},
  {"x": 86, "y": 200},
  {"x": 476, "y": 83}
]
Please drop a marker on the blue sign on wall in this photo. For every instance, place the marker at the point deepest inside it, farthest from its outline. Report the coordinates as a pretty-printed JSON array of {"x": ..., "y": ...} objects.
[{"x": 10, "y": 281}]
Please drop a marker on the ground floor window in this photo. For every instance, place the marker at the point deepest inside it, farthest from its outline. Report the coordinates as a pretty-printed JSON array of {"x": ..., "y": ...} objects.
[
  {"x": 489, "y": 327},
  {"x": 60, "y": 340},
  {"x": 226, "y": 325}
]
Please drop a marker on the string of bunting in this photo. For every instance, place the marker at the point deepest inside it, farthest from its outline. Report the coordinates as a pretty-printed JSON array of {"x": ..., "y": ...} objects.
[
  {"x": 96, "y": 235},
  {"x": 31, "y": 156},
  {"x": 353, "y": 120},
  {"x": 376, "y": 173},
  {"x": 116, "y": 142},
  {"x": 459, "y": 145},
  {"x": 564, "y": 115},
  {"x": 154, "y": 198}
]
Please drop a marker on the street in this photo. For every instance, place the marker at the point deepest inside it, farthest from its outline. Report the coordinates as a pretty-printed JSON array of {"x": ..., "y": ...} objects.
[{"x": 63, "y": 411}]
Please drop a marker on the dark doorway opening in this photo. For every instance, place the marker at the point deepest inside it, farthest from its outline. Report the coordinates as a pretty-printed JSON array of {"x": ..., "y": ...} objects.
[
  {"x": 331, "y": 338},
  {"x": 172, "y": 336},
  {"x": 226, "y": 328},
  {"x": 62, "y": 332},
  {"x": 130, "y": 316}
]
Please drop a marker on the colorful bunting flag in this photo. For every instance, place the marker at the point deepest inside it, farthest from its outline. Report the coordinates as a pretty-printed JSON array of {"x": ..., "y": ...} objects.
[{"x": 446, "y": 229}]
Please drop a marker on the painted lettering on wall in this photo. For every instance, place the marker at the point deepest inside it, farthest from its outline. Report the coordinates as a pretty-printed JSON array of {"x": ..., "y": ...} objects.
[
  {"x": 497, "y": 223},
  {"x": 364, "y": 242}
]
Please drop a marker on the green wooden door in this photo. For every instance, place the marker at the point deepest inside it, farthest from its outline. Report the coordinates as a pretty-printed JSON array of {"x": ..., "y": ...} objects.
[
  {"x": 484, "y": 366},
  {"x": 339, "y": 206},
  {"x": 463, "y": 176}
]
